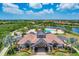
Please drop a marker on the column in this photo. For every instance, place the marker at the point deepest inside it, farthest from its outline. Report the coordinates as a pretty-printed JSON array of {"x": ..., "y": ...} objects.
[
  {"x": 52, "y": 48},
  {"x": 49, "y": 50},
  {"x": 33, "y": 51}
]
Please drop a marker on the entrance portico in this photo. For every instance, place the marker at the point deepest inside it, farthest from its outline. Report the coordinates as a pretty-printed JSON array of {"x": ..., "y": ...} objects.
[{"x": 41, "y": 46}]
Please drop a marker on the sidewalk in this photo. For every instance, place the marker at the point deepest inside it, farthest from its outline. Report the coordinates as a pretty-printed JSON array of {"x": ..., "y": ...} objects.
[{"x": 4, "y": 51}]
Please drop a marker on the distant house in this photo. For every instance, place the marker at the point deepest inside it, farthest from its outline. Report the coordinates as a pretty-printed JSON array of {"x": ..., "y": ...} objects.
[{"x": 38, "y": 40}]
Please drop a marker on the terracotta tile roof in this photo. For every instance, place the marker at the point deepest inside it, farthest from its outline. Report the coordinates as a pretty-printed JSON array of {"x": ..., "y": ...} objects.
[
  {"x": 50, "y": 37},
  {"x": 33, "y": 38},
  {"x": 30, "y": 37}
]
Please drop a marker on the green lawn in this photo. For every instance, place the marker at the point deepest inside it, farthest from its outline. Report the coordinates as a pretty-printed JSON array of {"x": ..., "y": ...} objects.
[{"x": 9, "y": 26}]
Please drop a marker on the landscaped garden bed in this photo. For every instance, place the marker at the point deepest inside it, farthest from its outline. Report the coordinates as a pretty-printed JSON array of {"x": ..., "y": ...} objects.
[{"x": 63, "y": 52}]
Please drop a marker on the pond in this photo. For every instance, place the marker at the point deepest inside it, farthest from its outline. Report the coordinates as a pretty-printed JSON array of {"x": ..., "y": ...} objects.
[{"x": 75, "y": 30}]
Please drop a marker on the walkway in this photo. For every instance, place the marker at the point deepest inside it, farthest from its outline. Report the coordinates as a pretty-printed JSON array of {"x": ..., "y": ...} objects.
[
  {"x": 2, "y": 53},
  {"x": 41, "y": 52}
]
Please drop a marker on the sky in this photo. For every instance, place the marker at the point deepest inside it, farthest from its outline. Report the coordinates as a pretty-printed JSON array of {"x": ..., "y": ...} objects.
[{"x": 39, "y": 11}]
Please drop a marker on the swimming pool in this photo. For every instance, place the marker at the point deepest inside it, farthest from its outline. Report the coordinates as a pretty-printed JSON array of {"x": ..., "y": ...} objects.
[{"x": 49, "y": 30}]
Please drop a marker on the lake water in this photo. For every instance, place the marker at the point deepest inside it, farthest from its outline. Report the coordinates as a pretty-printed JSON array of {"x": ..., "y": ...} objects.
[{"x": 75, "y": 30}]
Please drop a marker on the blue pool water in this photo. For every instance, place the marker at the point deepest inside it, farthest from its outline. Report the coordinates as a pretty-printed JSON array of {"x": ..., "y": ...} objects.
[
  {"x": 75, "y": 30},
  {"x": 48, "y": 30}
]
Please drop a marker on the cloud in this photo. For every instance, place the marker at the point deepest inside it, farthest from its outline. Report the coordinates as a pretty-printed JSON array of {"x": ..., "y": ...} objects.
[
  {"x": 47, "y": 3},
  {"x": 64, "y": 6},
  {"x": 29, "y": 12},
  {"x": 35, "y": 5},
  {"x": 45, "y": 11},
  {"x": 10, "y": 5},
  {"x": 11, "y": 8},
  {"x": 44, "y": 14}
]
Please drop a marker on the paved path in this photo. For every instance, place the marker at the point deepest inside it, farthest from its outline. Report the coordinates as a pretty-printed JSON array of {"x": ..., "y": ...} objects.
[
  {"x": 2, "y": 53},
  {"x": 41, "y": 52}
]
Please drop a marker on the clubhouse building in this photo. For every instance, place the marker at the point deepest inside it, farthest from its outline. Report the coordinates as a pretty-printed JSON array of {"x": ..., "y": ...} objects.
[{"x": 38, "y": 40}]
